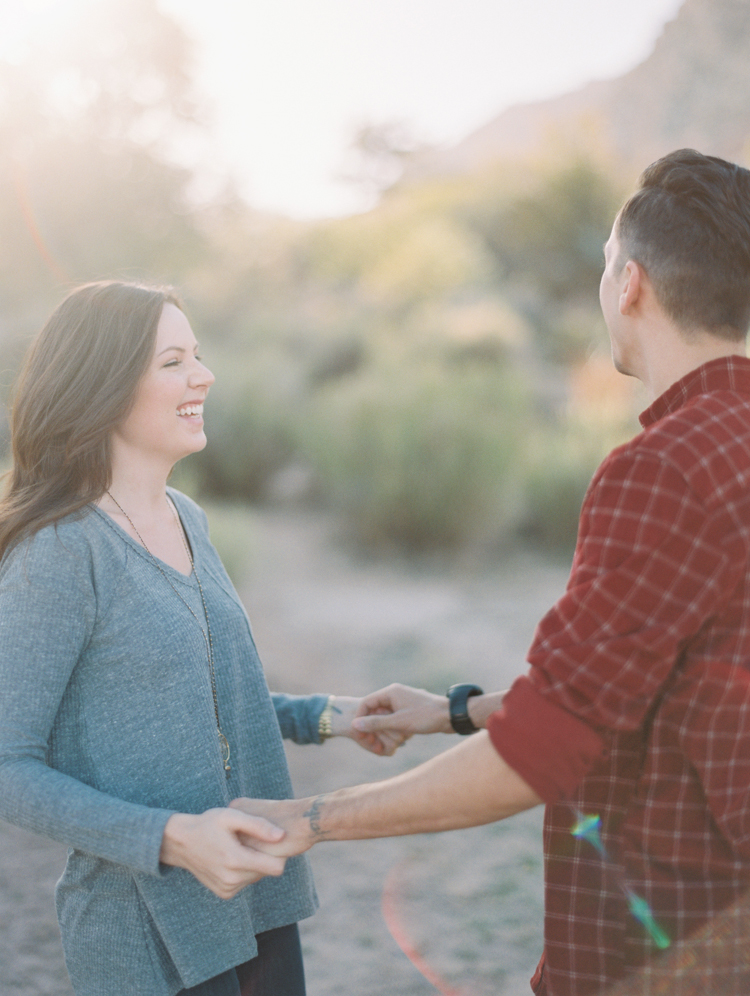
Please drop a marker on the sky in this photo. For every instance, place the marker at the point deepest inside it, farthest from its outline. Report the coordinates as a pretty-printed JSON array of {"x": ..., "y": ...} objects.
[{"x": 291, "y": 80}]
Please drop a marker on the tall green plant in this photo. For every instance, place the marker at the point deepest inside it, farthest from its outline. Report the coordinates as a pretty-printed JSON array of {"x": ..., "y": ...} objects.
[
  {"x": 547, "y": 246},
  {"x": 421, "y": 456}
]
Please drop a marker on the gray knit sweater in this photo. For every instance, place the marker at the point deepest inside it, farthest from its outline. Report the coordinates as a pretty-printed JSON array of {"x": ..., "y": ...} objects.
[{"x": 107, "y": 727}]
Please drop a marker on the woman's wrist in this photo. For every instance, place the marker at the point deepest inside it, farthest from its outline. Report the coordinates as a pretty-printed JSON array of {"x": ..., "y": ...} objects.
[
  {"x": 325, "y": 720},
  {"x": 172, "y": 850},
  {"x": 341, "y": 711}
]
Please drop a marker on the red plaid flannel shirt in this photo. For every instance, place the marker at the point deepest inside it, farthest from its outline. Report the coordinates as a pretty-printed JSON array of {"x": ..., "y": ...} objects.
[{"x": 636, "y": 707}]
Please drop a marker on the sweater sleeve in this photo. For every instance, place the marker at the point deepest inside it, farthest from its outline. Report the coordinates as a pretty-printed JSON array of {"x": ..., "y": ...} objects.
[
  {"x": 652, "y": 564},
  {"x": 298, "y": 716},
  {"x": 47, "y": 616}
]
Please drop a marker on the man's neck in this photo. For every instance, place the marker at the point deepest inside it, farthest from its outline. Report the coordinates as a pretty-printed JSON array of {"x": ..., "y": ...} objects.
[{"x": 679, "y": 357}]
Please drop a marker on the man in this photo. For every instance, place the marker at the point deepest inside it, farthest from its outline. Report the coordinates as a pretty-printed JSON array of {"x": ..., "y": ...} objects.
[{"x": 633, "y": 721}]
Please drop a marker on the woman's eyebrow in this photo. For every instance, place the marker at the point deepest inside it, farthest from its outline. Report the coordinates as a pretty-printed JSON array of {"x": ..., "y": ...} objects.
[{"x": 177, "y": 349}]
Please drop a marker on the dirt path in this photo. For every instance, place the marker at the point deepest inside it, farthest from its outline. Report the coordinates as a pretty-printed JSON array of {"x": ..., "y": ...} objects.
[{"x": 471, "y": 901}]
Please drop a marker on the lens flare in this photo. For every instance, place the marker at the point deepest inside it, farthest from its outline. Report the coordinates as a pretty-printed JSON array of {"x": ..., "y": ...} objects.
[
  {"x": 642, "y": 912},
  {"x": 27, "y": 213},
  {"x": 588, "y": 828},
  {"x": 390, "y": 902}
]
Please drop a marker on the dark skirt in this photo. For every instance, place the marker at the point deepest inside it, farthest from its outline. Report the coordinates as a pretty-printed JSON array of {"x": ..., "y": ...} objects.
[{"x": 275, "y": 971}]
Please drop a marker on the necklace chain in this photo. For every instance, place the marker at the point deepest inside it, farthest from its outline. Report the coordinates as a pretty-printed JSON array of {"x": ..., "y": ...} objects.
[{"x": 225, "y": 750}]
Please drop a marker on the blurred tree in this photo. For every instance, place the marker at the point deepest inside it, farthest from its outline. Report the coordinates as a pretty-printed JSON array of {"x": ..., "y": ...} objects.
[
  {"x": 554, "y": 234},
  {"x": 92, "y": 128},
  {"x": 547, "y": 247},
  {"x": 414, "y": 247},
  {"x": 379, "y": 153}
]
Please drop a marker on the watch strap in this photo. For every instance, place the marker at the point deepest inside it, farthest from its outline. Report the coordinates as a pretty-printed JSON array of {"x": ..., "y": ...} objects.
[{"x": 458, "y": 698}]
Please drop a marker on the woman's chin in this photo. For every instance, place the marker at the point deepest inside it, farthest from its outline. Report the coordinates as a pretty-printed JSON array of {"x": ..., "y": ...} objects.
[{"x": 195, "y": 445}]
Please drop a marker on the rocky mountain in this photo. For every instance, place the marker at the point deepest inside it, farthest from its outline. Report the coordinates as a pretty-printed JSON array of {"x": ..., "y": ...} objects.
[{"x": 692, "y": 90}]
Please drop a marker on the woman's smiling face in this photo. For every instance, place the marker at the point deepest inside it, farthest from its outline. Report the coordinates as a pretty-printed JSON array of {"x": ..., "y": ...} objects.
[{"x": 166, "y": 421}]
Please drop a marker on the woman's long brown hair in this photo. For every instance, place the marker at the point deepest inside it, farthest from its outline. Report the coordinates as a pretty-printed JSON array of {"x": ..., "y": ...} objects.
[{"x": 79, "y": 381}]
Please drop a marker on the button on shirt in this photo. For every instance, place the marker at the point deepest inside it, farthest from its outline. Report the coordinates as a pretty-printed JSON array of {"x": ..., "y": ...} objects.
[{"x": 636, "y": 707}]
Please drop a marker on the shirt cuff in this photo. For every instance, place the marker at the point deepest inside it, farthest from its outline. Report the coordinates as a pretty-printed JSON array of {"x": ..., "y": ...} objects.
[{"x": 547, "y": 746}]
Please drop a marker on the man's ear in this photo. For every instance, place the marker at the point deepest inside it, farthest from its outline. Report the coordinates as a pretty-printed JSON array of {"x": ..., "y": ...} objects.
[{"x": 631, "y": 287}]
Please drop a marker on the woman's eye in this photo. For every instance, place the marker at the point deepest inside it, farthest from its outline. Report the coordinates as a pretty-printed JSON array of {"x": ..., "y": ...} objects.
[{"x": 171, "y": 363}]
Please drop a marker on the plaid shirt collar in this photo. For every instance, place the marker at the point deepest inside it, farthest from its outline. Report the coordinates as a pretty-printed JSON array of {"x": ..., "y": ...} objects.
[{"x": 728, "y": 373}]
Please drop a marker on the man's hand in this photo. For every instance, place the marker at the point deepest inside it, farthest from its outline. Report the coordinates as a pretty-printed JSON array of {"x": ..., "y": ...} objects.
[
  {"x": 296, "y": 817},
  {"x": 343, "y": 710},
  {"x": 221, "y": 848},
  {"x": 399, "y": 709},
  {"x": 466, "y": 786}
]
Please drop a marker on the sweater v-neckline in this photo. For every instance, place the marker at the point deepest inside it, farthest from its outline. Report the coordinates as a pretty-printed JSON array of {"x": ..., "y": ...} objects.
[{"x": 188, "y": 579}]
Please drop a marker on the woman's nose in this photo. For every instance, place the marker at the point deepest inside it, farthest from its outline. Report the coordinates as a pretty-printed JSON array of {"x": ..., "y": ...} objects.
[{"x": 201, "y": 376}]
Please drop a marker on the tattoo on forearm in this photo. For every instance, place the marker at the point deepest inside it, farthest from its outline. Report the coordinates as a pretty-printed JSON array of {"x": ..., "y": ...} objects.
[{"x": 313, "y": 814}]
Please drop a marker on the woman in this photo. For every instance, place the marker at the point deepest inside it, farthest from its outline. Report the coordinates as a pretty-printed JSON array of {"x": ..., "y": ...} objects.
[{"x": 133, "y": 704}]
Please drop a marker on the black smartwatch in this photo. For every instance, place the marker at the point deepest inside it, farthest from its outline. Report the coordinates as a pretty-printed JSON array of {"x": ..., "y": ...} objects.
[{"x": 458, "y": 696}]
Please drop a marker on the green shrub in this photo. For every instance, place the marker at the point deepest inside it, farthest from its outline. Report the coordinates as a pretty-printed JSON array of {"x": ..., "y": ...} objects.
[
  {"x": 556, "y": 481},
  {"x": 251, "y": 417},
  {"x": 232, "y": 530},
  {"x": 421, "y": 455},
  {"x": 560, "y": 462}
]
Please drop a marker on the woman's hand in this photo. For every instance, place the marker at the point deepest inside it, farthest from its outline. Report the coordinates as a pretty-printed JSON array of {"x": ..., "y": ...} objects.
[
  {"x": 217, "y": 848},
  {"x": 343, "y": 710}
]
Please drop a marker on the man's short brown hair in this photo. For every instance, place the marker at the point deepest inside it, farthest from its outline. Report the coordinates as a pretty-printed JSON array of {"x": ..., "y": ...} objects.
[{"x": 688, "y": 226}]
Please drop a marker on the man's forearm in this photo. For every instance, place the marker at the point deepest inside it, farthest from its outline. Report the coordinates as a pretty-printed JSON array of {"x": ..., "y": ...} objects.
[
  {"x": 481, "y": 707},
  {"x": 466, "y": 786}
]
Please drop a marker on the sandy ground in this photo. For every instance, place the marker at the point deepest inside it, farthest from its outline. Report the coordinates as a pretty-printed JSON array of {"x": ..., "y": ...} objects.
[{"x": 470, "y": 902}]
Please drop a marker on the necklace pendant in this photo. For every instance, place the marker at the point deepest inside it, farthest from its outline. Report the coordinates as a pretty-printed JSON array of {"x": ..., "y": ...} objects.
[{"x": 225, "y": 752}]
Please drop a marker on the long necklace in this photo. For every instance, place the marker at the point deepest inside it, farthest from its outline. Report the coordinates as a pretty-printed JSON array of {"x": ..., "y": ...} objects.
[{"x": 224, "y": 743}]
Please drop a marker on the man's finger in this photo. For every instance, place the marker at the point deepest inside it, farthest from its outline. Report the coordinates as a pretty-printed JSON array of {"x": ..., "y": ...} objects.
[
  {"x": 375, "y": 702},
  {"x": 374, "y": 723}
]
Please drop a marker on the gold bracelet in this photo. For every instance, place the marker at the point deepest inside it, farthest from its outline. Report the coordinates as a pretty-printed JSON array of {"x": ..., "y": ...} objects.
[{"x": 325, "y": 723}]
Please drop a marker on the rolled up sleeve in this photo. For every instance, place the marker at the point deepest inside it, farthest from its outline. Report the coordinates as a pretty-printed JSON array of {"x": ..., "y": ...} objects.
[
  {"x": 547, "y": 746},
  {"x": 652, "y": 563}
]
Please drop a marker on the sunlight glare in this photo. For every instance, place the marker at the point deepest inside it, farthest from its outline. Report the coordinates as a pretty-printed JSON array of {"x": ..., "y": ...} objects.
[{"x": 24, "y": 24}]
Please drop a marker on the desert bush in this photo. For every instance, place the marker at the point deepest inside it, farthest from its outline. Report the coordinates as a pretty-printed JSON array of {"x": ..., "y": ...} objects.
[
  {"x": 251, "y": 417},
  {"x": 232, "y": 529},
  {"x": 560, "y": 461},
  {"x": 421, "y": 455},
  {"x": 412, "y": 248},
  {"x": 556, "y": 479},
  {"x": 546, "y": 242}
]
